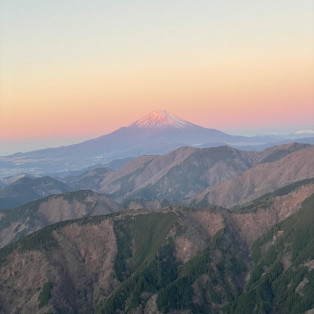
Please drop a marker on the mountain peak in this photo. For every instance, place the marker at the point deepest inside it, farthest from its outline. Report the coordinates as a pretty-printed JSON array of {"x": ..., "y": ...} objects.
[{"x": 160, "y": 118}]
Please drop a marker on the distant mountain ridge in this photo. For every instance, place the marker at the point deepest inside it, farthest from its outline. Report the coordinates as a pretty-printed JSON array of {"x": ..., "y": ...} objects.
[
  {"x": 11, "y": 179},
  {"x": 180, "y": 174},
  {"x": 184, "y": 174},
  {"x": 89, "y": 180},
  {"x": 261, "y": 179},
  {"x": 27, "y": 189}
]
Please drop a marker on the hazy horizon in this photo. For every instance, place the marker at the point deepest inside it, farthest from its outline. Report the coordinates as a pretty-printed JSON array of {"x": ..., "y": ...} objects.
[
  {"x": 73, "y": 71},
  {"x": 12, "y": 146},
  {"x": 83, "y": 69}
]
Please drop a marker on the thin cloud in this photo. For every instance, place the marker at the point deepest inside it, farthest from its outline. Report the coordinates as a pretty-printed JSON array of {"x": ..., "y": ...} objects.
[{"x": 305, "y": 132}]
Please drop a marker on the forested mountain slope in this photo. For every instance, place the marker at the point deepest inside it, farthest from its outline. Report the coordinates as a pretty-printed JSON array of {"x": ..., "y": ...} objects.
[{"x": 175, "y": 260}]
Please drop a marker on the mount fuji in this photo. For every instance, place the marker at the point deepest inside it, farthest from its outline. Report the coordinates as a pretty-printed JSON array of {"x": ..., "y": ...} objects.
[{"x": 158, "y": 132}]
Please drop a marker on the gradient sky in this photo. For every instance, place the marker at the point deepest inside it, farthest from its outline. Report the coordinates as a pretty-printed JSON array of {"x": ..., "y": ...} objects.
[{"x": 72, "y": 70}]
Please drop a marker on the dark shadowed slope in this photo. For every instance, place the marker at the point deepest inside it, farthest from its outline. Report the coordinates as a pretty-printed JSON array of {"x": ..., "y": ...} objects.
[
  {"x": 18, "y": 222},
  {"x": 282, "y": 277},
  {"x": 27, "y": 189}
]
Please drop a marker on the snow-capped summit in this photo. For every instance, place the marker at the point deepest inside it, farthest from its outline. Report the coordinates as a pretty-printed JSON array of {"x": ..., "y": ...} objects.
[{"x": 160, "y": 118}]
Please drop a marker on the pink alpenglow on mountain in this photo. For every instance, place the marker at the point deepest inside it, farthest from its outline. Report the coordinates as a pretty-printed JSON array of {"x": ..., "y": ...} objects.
[{"x": 161, "y": 118}]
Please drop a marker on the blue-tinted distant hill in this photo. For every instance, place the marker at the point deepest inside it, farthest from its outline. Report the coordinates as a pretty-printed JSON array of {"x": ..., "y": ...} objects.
[{"x": 28, "y": 189}]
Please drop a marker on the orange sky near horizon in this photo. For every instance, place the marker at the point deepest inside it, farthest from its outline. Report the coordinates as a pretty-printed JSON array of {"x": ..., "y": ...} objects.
[
  {"x": 239, "y": 95},
  {"x": 259, "y": 78}
]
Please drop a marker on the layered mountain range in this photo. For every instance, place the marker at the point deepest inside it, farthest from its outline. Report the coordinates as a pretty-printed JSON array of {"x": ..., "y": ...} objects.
[
  {"x": 187, "y": 173},
  {"x": 210, "y": 176},
  {"x": 195, "y": 230}
]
